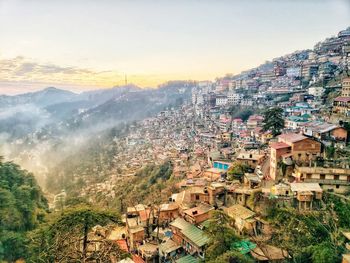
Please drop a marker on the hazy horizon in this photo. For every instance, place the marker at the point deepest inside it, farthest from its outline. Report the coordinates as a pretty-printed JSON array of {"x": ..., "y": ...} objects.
[{"x": 85, "y": 45}]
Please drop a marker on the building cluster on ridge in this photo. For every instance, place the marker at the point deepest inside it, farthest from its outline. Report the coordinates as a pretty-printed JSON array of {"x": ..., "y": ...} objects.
[{"x": 207, "y": 146}]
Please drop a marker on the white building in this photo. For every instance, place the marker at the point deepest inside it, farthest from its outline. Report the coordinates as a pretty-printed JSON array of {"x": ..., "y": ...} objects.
[
  {"x": 234, "y": 98},
  {"x": 316, "y": 91},
  {"x": 293, "y": 72},
  {"x": 220, "y": 100}
]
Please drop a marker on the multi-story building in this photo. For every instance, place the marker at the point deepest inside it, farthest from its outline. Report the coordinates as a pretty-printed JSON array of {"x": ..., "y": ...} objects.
[
  {"x": 293, "y": 72},
  {"x": 292, "y": 147},
  {"x": 345, "y": 92},
  {"x": 254, "y": 121},
  {"x": 278, "y": 150},
  {"x": 234, "y": 98},
  {"x": 192, "y": 239},
  {"x": 309, "y": 70},
  {"x": 335, "y": 179},
  {"x": 303, "y": 148},
  {"x": 306, "y": 194},
  {"x": 220, "y": 100},
  {"x": 341, "y": 105}
]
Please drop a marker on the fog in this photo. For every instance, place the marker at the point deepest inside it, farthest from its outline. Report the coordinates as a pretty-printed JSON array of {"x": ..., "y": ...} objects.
[{"x": 41, "y": 134}]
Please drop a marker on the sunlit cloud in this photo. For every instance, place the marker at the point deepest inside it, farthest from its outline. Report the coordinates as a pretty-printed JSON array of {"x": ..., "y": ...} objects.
[
  {"x": 22, "y": 70},
  {"x": 19, "y": 74}
]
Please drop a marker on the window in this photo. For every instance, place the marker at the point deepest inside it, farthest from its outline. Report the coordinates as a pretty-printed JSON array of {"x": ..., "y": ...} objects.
[
  {"x": 337, "y": 186},
  {"x": 336, "y": 177},
  {"x": 197, "y": 197},
  {"x": 322, "y": 176},
  {"x": 308, "y": 176}
]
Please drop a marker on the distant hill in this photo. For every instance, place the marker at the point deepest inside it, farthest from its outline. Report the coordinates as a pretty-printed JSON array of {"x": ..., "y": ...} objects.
[{"x": 42, "y": 98}]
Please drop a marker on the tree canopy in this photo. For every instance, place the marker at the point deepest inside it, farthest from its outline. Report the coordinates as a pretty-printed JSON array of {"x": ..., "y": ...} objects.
[
  {"x": 69, "y": 238},
  {"x": 222, "y": 237},
  {"x": 273, "y": 120},
  {"x": 314, "y": 236},
  {"x": 22, "y": 208}
]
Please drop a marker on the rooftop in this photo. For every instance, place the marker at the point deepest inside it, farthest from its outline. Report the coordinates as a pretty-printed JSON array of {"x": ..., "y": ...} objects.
[
  {"x": 278, "y": 145},
  {"x": 291, "y": 137},
  {"x": 170, "y": 206},
  {"x": 198, "y": 210},
  {"x": 187, "y": 259},
  {"x": 190, "y": 231},
  {"x": 267, "y": 252},
  {"x": 304, "y": 187},
  {"x": 168, "y": 246},
  {"x": 342, "y": 99},
  {"x": 239, "y": 211}
]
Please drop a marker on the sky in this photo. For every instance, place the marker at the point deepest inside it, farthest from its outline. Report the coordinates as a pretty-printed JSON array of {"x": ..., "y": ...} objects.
[{"x": 88, "y": 44}]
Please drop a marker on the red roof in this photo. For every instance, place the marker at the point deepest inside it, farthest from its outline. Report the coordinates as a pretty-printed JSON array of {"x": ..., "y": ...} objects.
[
  {"x": 278, "y": 145},
  {"x": 258, "y": 129},
  {"x": 342, "y": 99},
  {"x": 292, "y": 137},
  {"x": 122, "y": 244},
  {"x": 256, "y": 118},
  {"x": 144, "y": 214},
  {"x": 137, "y": 259},
  {"x": 225, "y": 120}
]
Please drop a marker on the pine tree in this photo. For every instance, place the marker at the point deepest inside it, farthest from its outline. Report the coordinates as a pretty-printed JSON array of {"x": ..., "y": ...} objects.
[{"x": 273, "y": 120}]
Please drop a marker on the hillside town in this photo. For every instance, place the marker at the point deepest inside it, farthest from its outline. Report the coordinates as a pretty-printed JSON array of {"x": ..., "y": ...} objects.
[{"x": 229, "y": 161}]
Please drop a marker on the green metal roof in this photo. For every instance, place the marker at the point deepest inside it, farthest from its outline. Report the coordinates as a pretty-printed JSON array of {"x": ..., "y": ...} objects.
[
  {"x": 297, "y": 119},
  {"x": 187, "y": 259},
  {"x": 196, "y": 235},
  {"x": 180, "y": 223},
  {"x": 190, "y": 231},
  {"x": 244, "y": 246}
]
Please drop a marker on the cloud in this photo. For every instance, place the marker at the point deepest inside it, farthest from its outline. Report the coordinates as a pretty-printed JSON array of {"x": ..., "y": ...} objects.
[
  {"x": 20, "y": 74},
  {"x": 22, "y": 71}
]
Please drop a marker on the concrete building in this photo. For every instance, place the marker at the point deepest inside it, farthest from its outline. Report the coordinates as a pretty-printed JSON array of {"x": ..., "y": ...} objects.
[
  {"x": 221, "y": 100},
  {"x": 345, "y": 92},
  {"x": 234, "y": 98},
  {"x": 334, "y": 179},
  {"x": 316, "y": 91},
  {"x": 292, "y": 147}
]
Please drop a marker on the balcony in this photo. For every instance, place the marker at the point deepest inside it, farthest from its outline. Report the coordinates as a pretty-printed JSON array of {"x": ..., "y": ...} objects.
[{"x": 327, "y": 181}]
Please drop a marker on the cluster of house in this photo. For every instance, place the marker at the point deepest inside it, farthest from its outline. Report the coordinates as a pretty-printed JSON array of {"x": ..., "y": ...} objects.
[
  {"x": 284, "y": 75},
  {"x": 176, "y": 231},
  {"x": 289, "y": 172},
  {"x": 206, "y": 145}
]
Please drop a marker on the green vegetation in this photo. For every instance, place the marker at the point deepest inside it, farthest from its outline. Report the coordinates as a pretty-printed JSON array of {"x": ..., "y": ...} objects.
[
  {"x": 152, "y": 184},
  {"x": 68, "y": 238},
  {"x": 314, "y": 236},
  {"x": 330, "y": 151},
  {"x": 222, "y": 236},
  {"x": 91, "y": 163},
  {"x": 237, "y": 171},
  {"x": 240, "y": 112},
  {"x": 22, "y": 208},
  {"x": 28, "y": 232},
  {"x": 273, "y": 120}
]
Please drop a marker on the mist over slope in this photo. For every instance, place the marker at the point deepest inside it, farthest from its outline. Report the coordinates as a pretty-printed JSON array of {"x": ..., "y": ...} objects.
[{"x": 40, "y": 129}]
